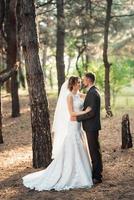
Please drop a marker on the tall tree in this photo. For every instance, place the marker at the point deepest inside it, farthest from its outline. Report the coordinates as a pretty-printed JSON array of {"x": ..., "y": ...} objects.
[
  {"x": 60, "y": 43},
  {"x": 2, "y": 12},
  {"x": 12, "y": 52},
  {"x": 4, "y": 76},
  {"x": 41, "y": 136},
  {"x": 19, "y": 52},
  {"x": 2, "y": 16},
  {"x": 105, "y": 58}
]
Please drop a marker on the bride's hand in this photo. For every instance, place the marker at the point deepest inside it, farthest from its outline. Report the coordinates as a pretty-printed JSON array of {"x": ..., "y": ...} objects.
[{"x": 88, "y": 109}]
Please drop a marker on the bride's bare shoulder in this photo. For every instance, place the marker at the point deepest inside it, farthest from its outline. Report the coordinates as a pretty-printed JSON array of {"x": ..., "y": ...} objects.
[{"x": 69, "y": 96}]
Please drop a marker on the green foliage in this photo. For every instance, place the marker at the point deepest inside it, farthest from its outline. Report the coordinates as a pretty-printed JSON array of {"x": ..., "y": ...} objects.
[
  {"x": 130, "y": 63},
  {"x": 97, "y": 68},
  {"x": 120, "y": 73},
  {"x": 70, "y": 49},
  {"x": 84, "y": 29}
]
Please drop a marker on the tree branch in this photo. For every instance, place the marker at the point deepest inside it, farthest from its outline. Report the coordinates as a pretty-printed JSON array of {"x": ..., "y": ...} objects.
[
  {"x": 6, "y": 75},
  {"x": 130, "y": 15},
  {"x": 44, "y": 12},
  {"x": 44, "y": 4}
]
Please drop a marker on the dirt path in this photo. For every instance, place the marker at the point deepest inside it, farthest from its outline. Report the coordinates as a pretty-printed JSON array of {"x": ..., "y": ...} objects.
[{"x": 16, "y": 156}]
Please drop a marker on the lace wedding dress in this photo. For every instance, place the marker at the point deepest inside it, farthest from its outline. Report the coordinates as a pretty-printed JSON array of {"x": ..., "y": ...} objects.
[{"x": 71, "y": 167}]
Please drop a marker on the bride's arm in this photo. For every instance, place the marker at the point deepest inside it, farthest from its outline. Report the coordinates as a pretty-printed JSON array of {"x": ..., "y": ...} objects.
[{"x": 70, "y": 108}]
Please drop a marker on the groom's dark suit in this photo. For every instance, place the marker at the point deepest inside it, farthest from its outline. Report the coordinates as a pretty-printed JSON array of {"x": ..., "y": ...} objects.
[{"x": 91, "y": 125}]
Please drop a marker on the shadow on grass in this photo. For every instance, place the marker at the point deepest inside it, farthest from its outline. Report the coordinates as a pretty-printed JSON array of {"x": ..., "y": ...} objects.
[{"x": 12, "y": 189}]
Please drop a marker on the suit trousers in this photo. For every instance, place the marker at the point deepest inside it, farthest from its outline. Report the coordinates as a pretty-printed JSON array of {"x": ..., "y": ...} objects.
[{"x": 95, "y": 153}]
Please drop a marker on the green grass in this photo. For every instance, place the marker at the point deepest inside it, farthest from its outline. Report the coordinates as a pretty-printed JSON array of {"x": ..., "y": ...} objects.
[
  {"x": 127, "y": 91},
  {"x": 122, "y": 102},
  {"x": 125, "y": 101}
]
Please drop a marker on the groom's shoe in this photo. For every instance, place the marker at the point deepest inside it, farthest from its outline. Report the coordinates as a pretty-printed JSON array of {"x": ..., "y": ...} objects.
[{"x": 97, "y": 181}]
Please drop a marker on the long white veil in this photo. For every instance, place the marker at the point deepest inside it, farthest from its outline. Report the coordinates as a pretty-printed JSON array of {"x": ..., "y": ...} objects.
[{"x": 60, "y": 122}]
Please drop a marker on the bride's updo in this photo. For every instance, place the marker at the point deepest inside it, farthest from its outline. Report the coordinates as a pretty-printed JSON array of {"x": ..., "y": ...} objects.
[{"x": 72, "y": 81}]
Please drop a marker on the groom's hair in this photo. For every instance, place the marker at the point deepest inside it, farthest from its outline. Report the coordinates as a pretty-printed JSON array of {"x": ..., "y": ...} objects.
[{"x": 90, "y": 76}]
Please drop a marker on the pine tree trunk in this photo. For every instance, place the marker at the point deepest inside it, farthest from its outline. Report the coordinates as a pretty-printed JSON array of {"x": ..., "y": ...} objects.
[
  {"x": 12, "y": 53},
  {"x": 60, "y": 43},
  {"x": 1, "y": 137},
  {"x": 44, "y": 59},
  {"x": 105, "y": 59},
  {"x": 41, "y": 136},
  {"x": 2, "y": 12},
  {"x": 126, "y": 134},
  {"x": 20, "y": 71},
  {"x": 21, "y": 77},
  {"x": 15, "y": 96},
  {"x": 51, "y": 78},
  {"x": 4, "y": 76}
]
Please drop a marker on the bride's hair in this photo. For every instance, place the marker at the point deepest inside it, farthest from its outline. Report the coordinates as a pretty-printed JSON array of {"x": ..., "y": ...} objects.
[{"x": 72, "y": 81}]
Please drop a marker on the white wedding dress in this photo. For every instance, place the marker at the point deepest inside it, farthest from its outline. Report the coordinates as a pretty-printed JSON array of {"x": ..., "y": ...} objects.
[{"x": 71, "y": 167}]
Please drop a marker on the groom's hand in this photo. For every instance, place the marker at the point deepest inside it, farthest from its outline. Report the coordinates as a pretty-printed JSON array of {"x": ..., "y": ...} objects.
[{"x": 73, "y": 118}]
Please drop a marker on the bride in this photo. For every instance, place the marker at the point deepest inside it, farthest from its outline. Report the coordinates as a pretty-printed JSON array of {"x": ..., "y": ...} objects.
[{"x": 71, "y": 166}]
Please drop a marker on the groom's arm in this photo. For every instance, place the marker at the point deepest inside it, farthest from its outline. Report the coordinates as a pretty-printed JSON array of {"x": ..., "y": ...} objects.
[{"x": 90, "y": 114}]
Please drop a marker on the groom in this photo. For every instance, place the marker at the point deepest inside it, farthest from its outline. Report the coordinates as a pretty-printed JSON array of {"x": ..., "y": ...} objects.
[{"x": 91, "y": 125}]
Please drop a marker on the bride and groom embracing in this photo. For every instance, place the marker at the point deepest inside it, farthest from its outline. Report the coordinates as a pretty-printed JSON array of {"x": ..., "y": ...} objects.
[{"x": 77, "y": 161}]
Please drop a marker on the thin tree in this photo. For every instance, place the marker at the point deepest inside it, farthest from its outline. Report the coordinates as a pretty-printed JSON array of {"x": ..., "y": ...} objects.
[
  {"x": 2, "y": 13},
  {"x": 41, "y": 136},
  {"x": 11, "y": 38},
  {"x": 19, "y": 50},
  {"x": 105, "y": 58},
  {"x": 60, "y": 43},
  {"x": 4, "y": 76}
]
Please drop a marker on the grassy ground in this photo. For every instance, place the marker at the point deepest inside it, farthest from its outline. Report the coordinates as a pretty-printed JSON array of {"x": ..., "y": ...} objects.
[{"x": 16, "y": 158}]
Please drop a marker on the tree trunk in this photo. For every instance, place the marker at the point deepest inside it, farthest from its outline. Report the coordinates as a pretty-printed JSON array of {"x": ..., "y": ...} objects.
[
  {"x": 69, "y": 65},
  {"x": 15, "y": 96},
  {"x": 51, "y": 78},
  {"x": 44, "y": 59},
  {"x": 41, "y": 136},
  {"x": 12, "y": 52},
  {"x": 21, "y": 77},
  {"x": 60, "y": 43},
  {"x": 20, "y": 72},
  {"x": 126, "y": 135},
  {"x": 4, "y": 76},
  {"x": 80, "y": 52},
  {"x": 2, "y": 12},
  {"x": 105, "y": 59},
  {"x": 1, "y": 137}
]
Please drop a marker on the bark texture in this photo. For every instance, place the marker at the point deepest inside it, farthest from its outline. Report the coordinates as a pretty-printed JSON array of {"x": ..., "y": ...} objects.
[
  {"x": 60, "y": 43},
  {"x": 126, "y": 134},
  {"x": 4, "y": 76},
  {"x": 41, "y": 136},
  {"x": 11, "y": 39},
  {"x": 105, "y": 59},
  {"x": 2, "y": 12}
]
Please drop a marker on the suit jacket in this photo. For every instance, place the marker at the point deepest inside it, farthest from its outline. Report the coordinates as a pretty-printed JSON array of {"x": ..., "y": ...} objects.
[{"x": 91, "y": 120}]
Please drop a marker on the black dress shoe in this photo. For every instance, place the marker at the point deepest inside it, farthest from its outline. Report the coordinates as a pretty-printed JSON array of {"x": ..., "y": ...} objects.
[{"x": 97, "y": 181}]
